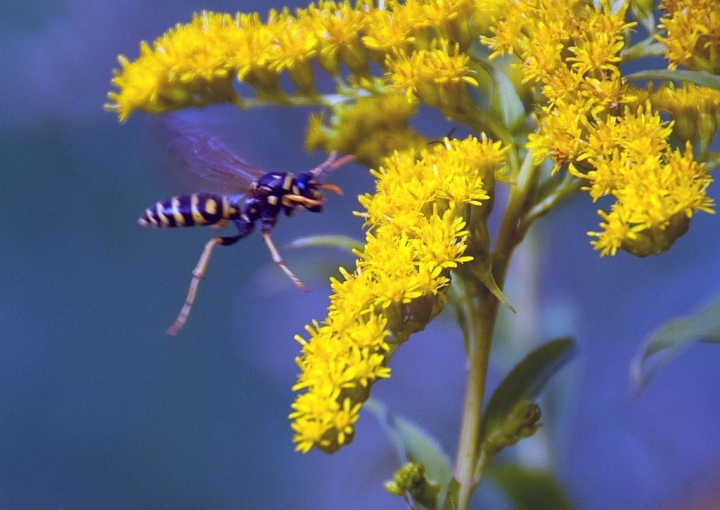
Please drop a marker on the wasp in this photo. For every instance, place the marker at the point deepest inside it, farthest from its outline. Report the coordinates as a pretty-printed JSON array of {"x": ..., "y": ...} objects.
[{"x": 258, "y": 197}]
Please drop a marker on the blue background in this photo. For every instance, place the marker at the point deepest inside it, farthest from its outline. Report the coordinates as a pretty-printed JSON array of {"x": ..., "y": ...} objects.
[{"x": 100, "y": 409}]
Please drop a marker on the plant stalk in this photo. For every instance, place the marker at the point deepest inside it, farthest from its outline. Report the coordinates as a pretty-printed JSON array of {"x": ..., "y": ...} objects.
[{"x": 482, "y": 312}]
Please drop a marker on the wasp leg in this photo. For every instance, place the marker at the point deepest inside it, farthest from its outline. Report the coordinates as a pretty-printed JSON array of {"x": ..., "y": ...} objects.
[
  {"x": 275, "y": 254},
  {"x": 197, "y": 275},
  {"x": 199, "y": 272}
]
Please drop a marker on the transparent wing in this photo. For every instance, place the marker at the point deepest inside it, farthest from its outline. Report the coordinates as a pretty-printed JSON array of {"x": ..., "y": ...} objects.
[{"x": 195, "y": 152}]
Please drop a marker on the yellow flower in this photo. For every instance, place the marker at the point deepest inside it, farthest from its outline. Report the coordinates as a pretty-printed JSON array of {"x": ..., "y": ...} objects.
[
  {"x": 194, "y": 64},
  {"x": 694, "y": 110},
  {"x": 391, "y": 28},
  {"x": 693, "y": 34},
  {"x": 338, "y": 27},
  {"x": 562, "y": 130},
  {"x": 658, "y": 189},
  {"x": 581, "y": 127},
  {"x": 417, "y": 220},
  {"x": 436, "y": 76},
  {"x": 369, "y": 128}
]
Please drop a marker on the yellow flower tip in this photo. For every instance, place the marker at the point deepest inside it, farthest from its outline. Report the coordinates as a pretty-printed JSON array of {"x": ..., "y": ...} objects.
[
  {"x": 433, "y": 75},
  {"x": 310, "y": 436},
  {"x": 387, "y": 30},
  {"x": 657, "y": 192}
]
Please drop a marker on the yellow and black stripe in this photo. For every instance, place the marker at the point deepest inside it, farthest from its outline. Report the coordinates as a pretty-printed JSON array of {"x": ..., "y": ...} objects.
[{"x": 198, "y": 209}]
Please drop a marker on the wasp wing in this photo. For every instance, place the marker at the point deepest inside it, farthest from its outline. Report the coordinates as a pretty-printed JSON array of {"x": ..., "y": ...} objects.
[{"x": 195, "y": 152}]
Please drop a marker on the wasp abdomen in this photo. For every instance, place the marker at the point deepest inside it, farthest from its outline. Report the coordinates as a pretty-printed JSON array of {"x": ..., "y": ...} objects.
[{"x": 197, "y": 209}]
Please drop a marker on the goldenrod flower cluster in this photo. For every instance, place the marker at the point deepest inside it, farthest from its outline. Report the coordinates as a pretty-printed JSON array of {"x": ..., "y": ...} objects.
[
  {"x": 417, "y": 234},
  {"x": 693, "y": 34},
  {"x": 574, "y": 58},
  {"x": 594, "y": 125},
  {"x": 195, "y": 64},
  {"x": 569, "y": 48},
  {"x": 370, "y": 128},
  {"x": 428, "y": 216},
  {"x": 657, "y": 188},
  {"x": 695, "y": 110},
  {"x": 436, "y": 76}
]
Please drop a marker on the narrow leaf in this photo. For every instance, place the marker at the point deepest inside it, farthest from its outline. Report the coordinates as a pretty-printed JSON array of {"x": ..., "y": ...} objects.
[
  {"x": 451, "y": 498},
  {"x": 338, "y": 241},
  {"x": 529, "y": 489},
  {"x": 643, "y": 11},
  {"x": 505, "y": 103},
  {"x": 669, "y": 340},
  {"x": 423, "y": 448},
  {"x": 489, "y": 280},
  {"x": 697, "y": 77},
  {"x": 482, "y": 269},
  {"x": 415, "y": 444},
  {"x": 525, "y": 381}
]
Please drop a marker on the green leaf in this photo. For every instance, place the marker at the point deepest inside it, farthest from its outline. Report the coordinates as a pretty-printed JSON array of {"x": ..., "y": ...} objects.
[
  {"x": 643, "y": 11},
  {"x": 525, "y": 382},
  {"x": 489, "y": 280},
  {"x": 482, "y": 268},
  {"x": 505, "y": 103},
  {"x": 414, "y": 443},
  {"x": 697, "y": 77},
  {"x": 423, "y": 448},
  {"x": 451, "y": 498},
  {"x": 669, "y": 340},
  {"x": 530, "y": 489},
  {"x": 342, "y": 242}
]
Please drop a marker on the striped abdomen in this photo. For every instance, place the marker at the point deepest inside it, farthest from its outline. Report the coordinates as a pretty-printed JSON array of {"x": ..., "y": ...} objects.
[{"x": 190, "y": 210}]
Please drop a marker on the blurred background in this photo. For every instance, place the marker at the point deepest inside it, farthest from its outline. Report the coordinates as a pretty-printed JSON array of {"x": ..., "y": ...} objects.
[{"x": 100, "y": 409}]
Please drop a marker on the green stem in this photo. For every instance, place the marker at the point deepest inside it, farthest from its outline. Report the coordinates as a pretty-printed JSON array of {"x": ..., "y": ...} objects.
[
  {"x": 568, "y": 187},
  {"x": 509, "y": 235},
  {"x": 329, "y": 100},
  {"x": 482, "y": 315},
  {"x": 482, "y": 312}
]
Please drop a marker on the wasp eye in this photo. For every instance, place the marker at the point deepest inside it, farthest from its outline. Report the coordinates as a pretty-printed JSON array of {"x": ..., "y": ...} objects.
[{"x": 307, "y": 184}]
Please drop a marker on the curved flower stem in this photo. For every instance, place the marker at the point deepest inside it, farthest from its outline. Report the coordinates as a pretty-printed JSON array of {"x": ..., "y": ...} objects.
[
  {"x": 568, "y": 187},
  {"x": 482, "y": 312},
  {"x": 510, "y": 233}
]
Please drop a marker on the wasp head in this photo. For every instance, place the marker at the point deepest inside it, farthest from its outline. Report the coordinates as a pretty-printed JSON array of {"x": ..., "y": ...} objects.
[{"x": 309, "y": 188}]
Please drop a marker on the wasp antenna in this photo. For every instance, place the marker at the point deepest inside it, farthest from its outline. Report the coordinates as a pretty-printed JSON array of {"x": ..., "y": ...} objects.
[
  {"x": 343, "y": 161},
  {"x": 323, "y": 167},
  {"x": 331, "y": 164}
]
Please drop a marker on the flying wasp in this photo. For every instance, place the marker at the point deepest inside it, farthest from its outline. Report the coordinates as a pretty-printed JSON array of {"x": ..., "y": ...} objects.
[{"x": 256, "y": 197}]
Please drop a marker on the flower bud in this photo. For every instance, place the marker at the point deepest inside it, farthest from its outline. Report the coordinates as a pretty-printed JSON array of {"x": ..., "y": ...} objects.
[{"x": 655, "y": 240}]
